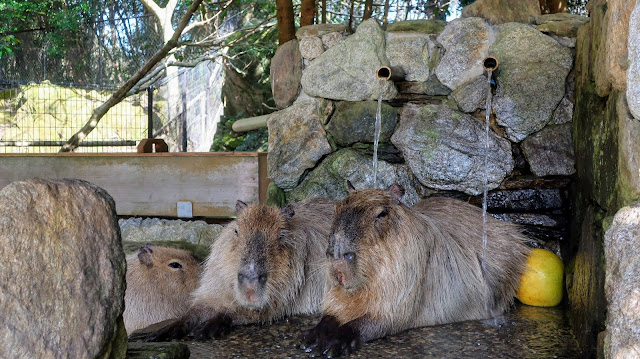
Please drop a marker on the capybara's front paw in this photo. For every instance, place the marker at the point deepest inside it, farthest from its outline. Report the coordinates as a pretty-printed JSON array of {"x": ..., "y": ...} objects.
[
  {"x": 317, "y": 336},
  {"x": 343, "y": 341},
  {"x": 216, "y": 327}
]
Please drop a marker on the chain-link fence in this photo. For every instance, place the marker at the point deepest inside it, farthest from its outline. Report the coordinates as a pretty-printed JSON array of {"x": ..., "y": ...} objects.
[{"x": 48, "y": 90}]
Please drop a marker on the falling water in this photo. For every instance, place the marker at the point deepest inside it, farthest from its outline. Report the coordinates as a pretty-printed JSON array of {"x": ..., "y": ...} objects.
[
  {"x": 485, "y": 187},
  {"x": 376, "y": 138}
]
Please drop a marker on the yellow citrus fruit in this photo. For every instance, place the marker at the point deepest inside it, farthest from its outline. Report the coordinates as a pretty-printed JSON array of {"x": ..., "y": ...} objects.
[{"x": 541, "y": 283}]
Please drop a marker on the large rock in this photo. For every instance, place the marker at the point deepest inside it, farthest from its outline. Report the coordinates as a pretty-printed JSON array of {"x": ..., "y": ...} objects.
[
  {"x": 285, "y": 74},
  {"x": 347, "y": 71},
  {"x": 158, "y": 229},
  {"x": 412, "y": 51},
  {"x": 633, "y": 73},
  {"x": 503, "y": 11},
  {"x": 628, "y": 154},
  {"x": 445, "y": 149},
  {"x": 329, "y": 179},
  {"x": 421, "y": 26},
  {"x": 355, "y": 122},
  {"x": 472, "y": 95},
  {"x": 311, "y": 47},
  {"x": 550, "y": 151},
  {"x": 561, "y": 24},
  {"x": 531, "y": 80},
  {"x": 296, "y": 142},
  {"x": 62, "y": 272},
  {"x": 466, "y": 43},
  {"x": 563, "y": 113},
  {"x": 320, "y": 30},
  {"x": 622, "y": 288},
  {"x": 611, "y": 53}
]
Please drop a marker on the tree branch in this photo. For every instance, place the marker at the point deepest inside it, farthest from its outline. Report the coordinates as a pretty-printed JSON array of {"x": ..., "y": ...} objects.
[{"x": 121, "y": 93}]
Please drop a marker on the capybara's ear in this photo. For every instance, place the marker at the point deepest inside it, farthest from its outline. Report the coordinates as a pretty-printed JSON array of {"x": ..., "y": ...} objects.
[
  {"x": 350, "y": 187},
  {"x": 240, "y": 206},
  {"x": 396, "y": 191},
  {"x": 287, "y": 211},
  {"x": 145, "y": 255}
]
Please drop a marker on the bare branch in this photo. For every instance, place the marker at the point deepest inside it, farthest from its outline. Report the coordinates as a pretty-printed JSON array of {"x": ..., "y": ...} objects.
[{"x": 121, "y": 93}]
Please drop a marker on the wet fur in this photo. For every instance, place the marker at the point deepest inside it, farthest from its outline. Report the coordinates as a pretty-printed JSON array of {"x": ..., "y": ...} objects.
[
  {"x": 416, "y": 266},
  {"x": 155, "y": 291},
  {"x": 293, "y": 251}
]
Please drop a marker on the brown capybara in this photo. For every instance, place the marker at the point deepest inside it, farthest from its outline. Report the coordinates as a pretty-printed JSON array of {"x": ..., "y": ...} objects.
[
  {"x": 395, "y": 268},
  {"x": 159, "y": 285},
  {"x": 267, "y": 264}
]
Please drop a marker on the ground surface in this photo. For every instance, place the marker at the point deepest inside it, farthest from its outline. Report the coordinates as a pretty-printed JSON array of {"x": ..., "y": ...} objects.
[{"x": 525, "y": 333}]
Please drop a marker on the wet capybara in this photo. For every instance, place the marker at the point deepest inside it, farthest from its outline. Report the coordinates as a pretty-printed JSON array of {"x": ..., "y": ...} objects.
[
  {"x": 159, "y": 285},
  {"x": 393, "y": 268},
  {"x": 267, "y": 264}
]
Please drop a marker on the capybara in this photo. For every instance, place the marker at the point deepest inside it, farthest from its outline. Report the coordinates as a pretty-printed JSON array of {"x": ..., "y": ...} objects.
[
  {"x": 159, "y": 285},
  {"x": 393, "y": 268},
  {"x": 267, "y": 264}
]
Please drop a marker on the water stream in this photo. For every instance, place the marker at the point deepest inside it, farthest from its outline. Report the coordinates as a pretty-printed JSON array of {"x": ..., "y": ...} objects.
[
  {"x": 376, "y": 138},
  {"x": 485, "y": 174}
]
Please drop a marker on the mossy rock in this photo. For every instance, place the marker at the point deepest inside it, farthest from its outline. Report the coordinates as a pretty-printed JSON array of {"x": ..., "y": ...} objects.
[
  {"x": 422, "y": 26},
  {"x": 199, "y": 251}
]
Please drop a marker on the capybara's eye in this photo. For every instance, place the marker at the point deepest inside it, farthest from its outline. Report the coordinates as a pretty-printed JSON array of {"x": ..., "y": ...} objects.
[
  {"x": 240, "y": 277},
  {"x": 175, "y": 265},
  {"x": 235, "y": 231},
  {"x": 262, "y": 279},
  {"x": 349, "y": 256},
  {"x": 384, "y": 213}
]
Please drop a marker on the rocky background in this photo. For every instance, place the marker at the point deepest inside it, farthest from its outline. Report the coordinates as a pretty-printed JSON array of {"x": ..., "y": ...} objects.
[{"x": 432, "y": 134}]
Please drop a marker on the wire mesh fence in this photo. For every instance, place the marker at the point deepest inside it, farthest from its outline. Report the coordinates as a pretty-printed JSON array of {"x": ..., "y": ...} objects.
[{"x": 48, "y": 91}]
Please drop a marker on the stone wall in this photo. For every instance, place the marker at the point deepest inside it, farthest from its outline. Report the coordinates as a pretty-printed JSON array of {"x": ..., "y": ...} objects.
[
  {"x": 432, "y": 118},
  {"x": 606, "y": 137}
]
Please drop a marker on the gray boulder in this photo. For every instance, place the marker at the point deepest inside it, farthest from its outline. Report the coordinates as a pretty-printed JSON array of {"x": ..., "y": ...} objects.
[
  {"x": 503, "y": 11},
  {"x": 445, "y": 149},
  {"x": 329, "y": 179},
  {"x": 311, "y": 47},
  {"x": 285, "y": 74},
  {"x": 347, "y": 71},
  {"x": 633, "y": 72},
  {"x": 550, "y": 151},
  {"x": 421, "y": 26},
  {"x": 158, "y": 229},
  {"x": 466, "y": 44},
  {"x": 320, "y": 30},
  {"x": 472, "y": 95},
  {"x": 411, "y": 52},
  {"x": 296, "y": 142},
  {"x": 355, "y": 122},
  {"x": 531, "y": 80},
  {"x": 62, "y": 272},
  {"x": 561, "y": 24},
  {"x": 563, "y": 113},
  {"x": 622, "y": 255},
  {"x": 628, "y": 150}
]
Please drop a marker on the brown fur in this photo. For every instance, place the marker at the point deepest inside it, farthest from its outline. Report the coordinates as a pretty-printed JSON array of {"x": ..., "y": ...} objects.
[
  {"x": 159, "y": 283},
  {"x": 395, "y": 268},
  {"x": 287, "y": 246}
]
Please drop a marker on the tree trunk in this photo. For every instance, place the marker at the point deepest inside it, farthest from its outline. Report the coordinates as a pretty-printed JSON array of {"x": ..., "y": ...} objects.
[
  {"x": 368, "y": 10},
  {"x": 307, "y": 12},
  {"x": 324, "y": 11},
  {"x": 553, "y": 6},
  {"x": 385, "y": 17},
  {"x": 353, "y": 5},
  {"x": 286, "y": 26}
]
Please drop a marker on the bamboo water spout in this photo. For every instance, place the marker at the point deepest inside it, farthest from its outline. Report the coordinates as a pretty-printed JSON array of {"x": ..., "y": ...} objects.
[{"x": 393, "y": 73}]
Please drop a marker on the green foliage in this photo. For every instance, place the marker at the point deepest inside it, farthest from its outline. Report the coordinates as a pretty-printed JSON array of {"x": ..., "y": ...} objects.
[{"x": 6, "y": 44}]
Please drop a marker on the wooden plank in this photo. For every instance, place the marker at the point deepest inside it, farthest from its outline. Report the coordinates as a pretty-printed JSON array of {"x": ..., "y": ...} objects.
[{"x": 152, "y": 184}]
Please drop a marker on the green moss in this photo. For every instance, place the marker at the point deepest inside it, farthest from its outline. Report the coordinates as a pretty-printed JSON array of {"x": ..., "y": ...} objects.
[
  {"x": 275, "y": 196},
  {"x": 422, "y": 26}
]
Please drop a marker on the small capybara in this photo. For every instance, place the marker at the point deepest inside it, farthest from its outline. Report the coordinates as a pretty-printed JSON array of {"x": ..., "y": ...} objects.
[
  {"x": 267, "y": 264},
  {"x": 159, "y": 284},
  {"x": 393, "y": 268}
]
